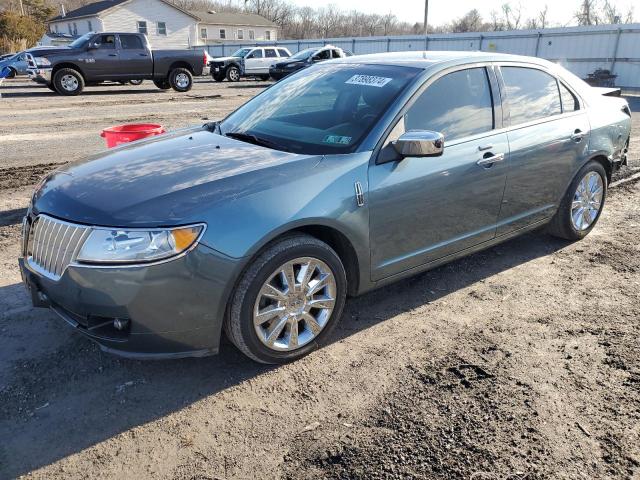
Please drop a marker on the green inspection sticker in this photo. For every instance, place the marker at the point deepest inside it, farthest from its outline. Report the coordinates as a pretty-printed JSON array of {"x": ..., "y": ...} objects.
[{"x": 337, "y": 139}]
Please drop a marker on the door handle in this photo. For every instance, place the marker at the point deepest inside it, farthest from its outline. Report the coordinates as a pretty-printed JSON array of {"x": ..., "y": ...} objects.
[
  {"x": 113, "y": 54},
  {"x": 143, "y": 54},
  {"x": 578, "y": 135},
  {"x": 490, "y": 160}
]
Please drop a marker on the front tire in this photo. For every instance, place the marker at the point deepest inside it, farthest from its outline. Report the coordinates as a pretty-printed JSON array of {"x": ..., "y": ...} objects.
[
  {"x": 288, "y": 301},
  {"x": 181, "y": 79},
  {"x": 264, "y": 78},
  {"x": 218, "y": 77},
  {"x": 233, "y": 74},
  {"x": 582, "y": 203},
  {"x": 136, "y": 82},
  {"x": 68, "y": 81},
  {"x": 12, "y": 73}
]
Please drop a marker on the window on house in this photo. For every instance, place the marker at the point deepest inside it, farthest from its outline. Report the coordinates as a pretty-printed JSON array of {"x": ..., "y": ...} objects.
[
  {"x": 75, "y": 28},
  {"x": 142, "y": 27},
  {"x": 267, "y": 34},
  {"x": 56, "y": 27},
  {"x": 161, "y": 28},
  {"x": 240, "y": 34},
  {"x": 252, "y": 34},
  {"x": 223, "y": 33},
  {"x": 203, "y": 33},
  {"x": 89, "y": 25},
  {"x": 70, "y": 28}
]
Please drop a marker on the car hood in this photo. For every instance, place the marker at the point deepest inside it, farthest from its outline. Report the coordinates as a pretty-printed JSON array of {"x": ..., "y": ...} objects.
[
  {"x": 46, "y": 52},
  {"x": 226, "y": 59},
  {"x": 165, "y": 180},
  {"x": 290, "y": 64}
]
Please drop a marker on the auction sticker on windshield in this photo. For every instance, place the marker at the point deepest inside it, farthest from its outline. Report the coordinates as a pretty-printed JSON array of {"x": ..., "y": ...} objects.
[{"x": 368, "y": 80}]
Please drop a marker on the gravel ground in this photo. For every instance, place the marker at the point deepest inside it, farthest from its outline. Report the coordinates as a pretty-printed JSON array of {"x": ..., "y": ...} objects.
[{"x": 518, "y": 362}]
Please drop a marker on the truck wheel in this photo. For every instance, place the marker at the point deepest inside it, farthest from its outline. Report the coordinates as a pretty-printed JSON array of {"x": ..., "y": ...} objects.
[
  {"x": 162, "y": 84},
  {"x": 181, "y": 79},
  {"x": 218, "y": 77},
  {"x": 51, "y": 87},
  {"x": 136, "y": 82},
  {"x": 288, "y": 301},
  {"x": 233, "y": 74},
  {"x": 12, "y": 73},
  {"x": 68, "y": 82},
  {"x": 264, "y": 78}
]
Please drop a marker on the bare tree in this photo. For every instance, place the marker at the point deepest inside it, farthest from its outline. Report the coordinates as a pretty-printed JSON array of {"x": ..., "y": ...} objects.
[
  {"x": 587, "y": 14},
  {"x": 469, "y": 22}
]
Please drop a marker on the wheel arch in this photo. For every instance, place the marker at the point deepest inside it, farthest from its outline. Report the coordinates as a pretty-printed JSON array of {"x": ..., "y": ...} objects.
[
  {"x": 71, "y": 65},
  {"x": 181, "y": 64},
  {"x": 333, "y": 236},
  {"x": 602, "y": 159}
]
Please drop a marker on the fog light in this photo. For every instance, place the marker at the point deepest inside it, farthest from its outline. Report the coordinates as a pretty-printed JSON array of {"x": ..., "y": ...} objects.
[{"x": 120, "y": 324}]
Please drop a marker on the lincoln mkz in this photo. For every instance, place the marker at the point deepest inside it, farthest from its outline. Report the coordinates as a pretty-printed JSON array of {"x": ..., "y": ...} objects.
[{"x": 341, "y": 178}]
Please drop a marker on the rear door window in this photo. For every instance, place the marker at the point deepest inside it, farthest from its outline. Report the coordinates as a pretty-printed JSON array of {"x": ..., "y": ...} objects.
[
  {"x": 531, "y": 94},
  {"x": 270, "y": 53},
  {"x": 131, "y": 42},
  {"x": 457, "y": 105},
  {"x": 569, "y": 100}
]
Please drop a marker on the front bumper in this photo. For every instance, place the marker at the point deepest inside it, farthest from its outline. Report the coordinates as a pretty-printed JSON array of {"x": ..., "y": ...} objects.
[
  {"x": 169, "y": 310},
  {"x": 40, "y": 75}
]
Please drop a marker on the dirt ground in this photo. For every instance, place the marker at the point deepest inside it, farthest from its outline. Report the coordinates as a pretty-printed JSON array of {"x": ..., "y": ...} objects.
[{"x": 519, "y": 362}]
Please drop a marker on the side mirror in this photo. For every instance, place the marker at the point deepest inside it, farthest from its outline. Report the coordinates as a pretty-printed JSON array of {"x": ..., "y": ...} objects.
[{"x": 420, "y": 143}]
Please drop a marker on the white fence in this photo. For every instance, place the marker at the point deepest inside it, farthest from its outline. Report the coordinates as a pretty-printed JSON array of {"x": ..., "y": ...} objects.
[{"x": 580, "y": 49}]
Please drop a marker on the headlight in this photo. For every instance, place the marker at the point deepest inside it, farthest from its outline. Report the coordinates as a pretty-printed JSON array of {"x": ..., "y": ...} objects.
[
  {"x": 42, "y": 61},
  {"x": 104, "y": 245}
]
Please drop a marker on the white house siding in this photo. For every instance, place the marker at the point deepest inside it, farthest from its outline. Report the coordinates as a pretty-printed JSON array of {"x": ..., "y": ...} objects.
[
  {"x": 213, "y": 33},
  {"x": 81, "y": 24},
  {"x": 180, "y": 26}
]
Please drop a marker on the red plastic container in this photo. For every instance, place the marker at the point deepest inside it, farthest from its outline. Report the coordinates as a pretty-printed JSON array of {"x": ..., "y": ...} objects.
[{"x": 114, "y": 136}]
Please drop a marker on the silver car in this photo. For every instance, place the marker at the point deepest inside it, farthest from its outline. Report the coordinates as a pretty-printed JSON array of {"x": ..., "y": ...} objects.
[{"x": 341, "y": 178}]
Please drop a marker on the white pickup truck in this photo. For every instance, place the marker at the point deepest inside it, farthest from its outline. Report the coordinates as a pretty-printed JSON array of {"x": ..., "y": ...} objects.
[{"x": 247, "y": 62}]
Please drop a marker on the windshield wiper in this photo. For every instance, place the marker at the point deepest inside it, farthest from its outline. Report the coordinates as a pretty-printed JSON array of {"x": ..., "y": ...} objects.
[{"x": 249, "y": 138}]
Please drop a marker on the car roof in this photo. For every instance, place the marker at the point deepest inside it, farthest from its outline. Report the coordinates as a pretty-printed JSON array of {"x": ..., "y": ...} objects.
[{"x": 427, "y": 59}]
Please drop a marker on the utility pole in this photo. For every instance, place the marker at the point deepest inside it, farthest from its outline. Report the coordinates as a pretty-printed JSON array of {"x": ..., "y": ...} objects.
[{"x": 426, "y": 16}]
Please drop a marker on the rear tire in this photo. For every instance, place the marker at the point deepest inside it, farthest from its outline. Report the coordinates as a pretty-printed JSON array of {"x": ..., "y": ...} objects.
[
  {"x": 582, "y": 204},
  {"x": 299, "y": 308},
  {"x": 264, "y": 78},
  {"x": 218, "y": 77},
  {"x": 233, "y": 74},
  {"x": 162, "y": 84},
  {"x": 136, "y": 82},
  {"x": 180, "y": 79},
  {"x": 68, "y": 81}
]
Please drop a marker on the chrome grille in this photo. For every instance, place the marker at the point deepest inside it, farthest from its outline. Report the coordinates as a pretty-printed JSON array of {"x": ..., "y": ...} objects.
[{"x": 53, "y": 244}]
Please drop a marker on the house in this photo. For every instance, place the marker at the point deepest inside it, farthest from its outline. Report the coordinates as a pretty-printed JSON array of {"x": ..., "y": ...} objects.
[{"x": 166, "y": 25}]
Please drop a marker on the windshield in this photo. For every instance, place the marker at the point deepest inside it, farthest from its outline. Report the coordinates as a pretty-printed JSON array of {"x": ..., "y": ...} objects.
[
  {"x": 302, "y": 54},
  {"x": 82, "y": 41},
  {"x": 241, "y": 53},
  {"x": 325, "y": 110}
]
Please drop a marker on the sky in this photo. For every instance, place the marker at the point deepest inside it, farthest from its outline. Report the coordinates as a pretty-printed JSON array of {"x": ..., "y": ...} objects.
[{"x": 561, "y": 12}]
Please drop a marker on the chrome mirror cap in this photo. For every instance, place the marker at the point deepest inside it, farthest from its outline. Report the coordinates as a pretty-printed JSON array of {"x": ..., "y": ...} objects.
[{"x": 420, "y": 143}]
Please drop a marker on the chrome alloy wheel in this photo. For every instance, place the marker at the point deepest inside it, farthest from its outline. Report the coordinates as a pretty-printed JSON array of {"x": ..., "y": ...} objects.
[
  {"x": 182, "y": 80},
  {"x": 69, "y": 83},
  {"x": 234, "y": 75},
  {"x": 294, "y": 304},
  {"x": 587, "y": 201}
]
